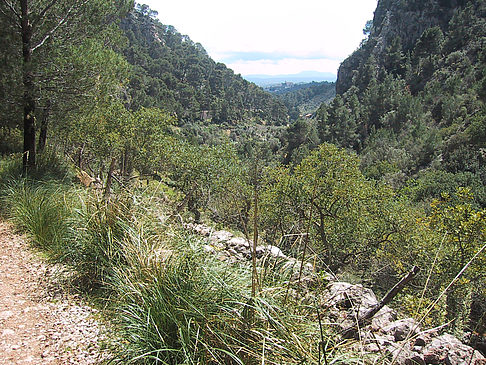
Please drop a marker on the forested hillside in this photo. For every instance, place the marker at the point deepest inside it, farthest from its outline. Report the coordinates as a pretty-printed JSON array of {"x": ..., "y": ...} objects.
[
  {"x": 172, "y": 72},
  {"x": 411, "y": 98},
  {"x": 410, "y": 103},
  {"x": 303, "y": 98},
  {"x": 148, "y": 65},
  {"x": 128, "y": 156}
]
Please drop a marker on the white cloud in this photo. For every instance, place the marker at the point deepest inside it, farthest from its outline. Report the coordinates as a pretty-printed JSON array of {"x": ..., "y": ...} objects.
[
  {"x": 284, "y": 66},
  {"x": 330, "y": 29}
]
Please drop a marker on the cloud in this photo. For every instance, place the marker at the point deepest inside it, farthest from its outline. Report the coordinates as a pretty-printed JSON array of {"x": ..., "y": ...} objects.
[
  {"x": 304, "y": 29},
  {"x": 284, "y": 66},
  {"x": 273, "y": 56}
]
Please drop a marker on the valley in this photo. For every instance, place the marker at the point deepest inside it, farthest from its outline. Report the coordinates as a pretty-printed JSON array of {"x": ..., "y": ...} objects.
[{"x": 208, "y": 220}]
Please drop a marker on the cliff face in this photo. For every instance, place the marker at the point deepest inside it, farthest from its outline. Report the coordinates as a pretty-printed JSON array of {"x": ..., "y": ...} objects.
[
  {"x": 404, "y": 20},
  {"x": 417, "y": 85}
]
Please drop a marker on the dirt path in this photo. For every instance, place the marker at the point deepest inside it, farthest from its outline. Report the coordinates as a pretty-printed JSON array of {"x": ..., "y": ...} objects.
[{"x": 38, "y": 323}]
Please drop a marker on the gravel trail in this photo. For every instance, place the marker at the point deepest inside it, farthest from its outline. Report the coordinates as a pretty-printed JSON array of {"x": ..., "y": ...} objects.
[{"x": 39, "y": 324}]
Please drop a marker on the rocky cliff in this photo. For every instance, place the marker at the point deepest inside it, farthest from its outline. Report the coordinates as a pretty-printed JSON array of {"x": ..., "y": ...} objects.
[
  {"x": 400, "y": 20},
  {"x": 423, "y": 67}
]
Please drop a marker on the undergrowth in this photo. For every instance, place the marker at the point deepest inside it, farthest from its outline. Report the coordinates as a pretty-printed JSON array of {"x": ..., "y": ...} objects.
[
  {"x": 171, "y": 302},
  {"x": 183, "y": 306},
  {"x": 40, "y": 209}
]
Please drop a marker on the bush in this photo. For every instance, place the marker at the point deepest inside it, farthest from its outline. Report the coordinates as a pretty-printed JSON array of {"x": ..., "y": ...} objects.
[
  {"x": 97, "y": 234},
  {"x": 40, "y": 210},
  {"x": 69, "y": 225},
  {"x": 10, "y": 140},
  {"x": 50, "y": 166},
  {"x": 182, "y": 306}
]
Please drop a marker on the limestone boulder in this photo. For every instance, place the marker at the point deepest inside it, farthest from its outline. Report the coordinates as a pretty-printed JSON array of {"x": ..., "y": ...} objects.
[
  {"x": 347, "y": 296},
  {"x": 239, "y": 243},
  {"x": 383, "y": 318},
  {"x": 447, "y": 349},
  {"x": 221, "y": 236},
  {"x": 402, "y": 329}
]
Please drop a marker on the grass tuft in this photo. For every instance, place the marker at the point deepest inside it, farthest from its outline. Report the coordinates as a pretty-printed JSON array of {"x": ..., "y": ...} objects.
[
  {"x": 40, "y": 210},
  {"x": 183, "y": 306}
]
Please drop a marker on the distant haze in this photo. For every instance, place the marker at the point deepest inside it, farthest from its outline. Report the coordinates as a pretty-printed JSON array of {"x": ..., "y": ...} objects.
[
  {"x": 309, "y": 76},
  {"x": 272, "y": 37}
]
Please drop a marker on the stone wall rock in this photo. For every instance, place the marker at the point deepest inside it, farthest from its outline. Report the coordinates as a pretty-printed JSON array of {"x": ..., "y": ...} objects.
[{"x": 402, "y": 340}]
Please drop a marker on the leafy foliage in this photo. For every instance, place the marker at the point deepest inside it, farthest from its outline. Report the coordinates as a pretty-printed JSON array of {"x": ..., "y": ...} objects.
[
  {"x": 50, "y": 45},
  {"x": 410, "y": 102},
  {"x": 210, "y": 178},
  {"x": 411, "y": 193},
  {"x": 464, "y": 232},
  {"x": 327, "y": 197}
]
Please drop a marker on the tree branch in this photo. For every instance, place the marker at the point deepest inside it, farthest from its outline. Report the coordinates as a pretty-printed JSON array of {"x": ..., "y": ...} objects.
[
  {"x": 350, "y": 331},
  {"x": 43, "y": 12},
  {"x": 12, "y": 8},
  {"x": 58, "y": 25},
  {"x": 6, "y": 15}
]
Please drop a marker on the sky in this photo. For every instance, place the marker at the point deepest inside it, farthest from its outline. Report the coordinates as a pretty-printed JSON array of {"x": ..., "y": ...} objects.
[{"x": 271, "y": 37}]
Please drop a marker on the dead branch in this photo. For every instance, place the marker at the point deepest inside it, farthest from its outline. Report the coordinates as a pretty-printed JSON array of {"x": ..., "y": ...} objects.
[
  {"x": 365, "y": 318},
  {"x": 43, "y": 12},
  {"x": 12, "y": 8},
  {"x": 59, "y": 24}
]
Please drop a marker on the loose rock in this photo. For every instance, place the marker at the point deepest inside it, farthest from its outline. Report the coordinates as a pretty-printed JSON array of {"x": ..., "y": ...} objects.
[
  {"x": 402, "y": 329},
  {"x": 448, "y": 349},
  {"x": 343, "y": 303},
  {"x": 39, "y": 324}
]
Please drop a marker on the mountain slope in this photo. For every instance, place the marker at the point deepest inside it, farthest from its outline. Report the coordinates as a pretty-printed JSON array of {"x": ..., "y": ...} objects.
[
  {"x": 176, "y": 74},
  {"x": 411, "y": 98},
  {"x": 303, "y": 98},
  {"x": 402, "y": 21}
]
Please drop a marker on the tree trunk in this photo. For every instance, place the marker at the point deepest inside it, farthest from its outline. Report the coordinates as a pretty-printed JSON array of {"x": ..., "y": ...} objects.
[
  {"x": 192, "y": 207},
  {"x": 43, "y": 127},
  {"x": 109, "y": 179},
  {"x": 325, "y": 243},
  {"x": 28, "y": 160},
  {"x": 123, "y": 156},
  {"x": 254, "y": 274},
  {"x": 452, "y": 306},
  {"x": 80, "y": 156}
]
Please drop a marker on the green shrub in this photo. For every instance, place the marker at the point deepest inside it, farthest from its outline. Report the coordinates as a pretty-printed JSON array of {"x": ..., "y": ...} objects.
[
  {"x": 10, "y": 140},
  {"x": 182, "y": 306},
  {"x": 40, "y": 210},
  {"x": 71, "y": 226},
  {"x": 50, "y": 166},
  {"x": 97, "y": 233},
  {"x": 10, "y": 168}
]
